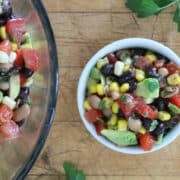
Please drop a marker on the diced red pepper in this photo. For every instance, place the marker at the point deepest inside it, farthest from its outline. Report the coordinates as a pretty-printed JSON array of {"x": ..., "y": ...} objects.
[
  {"x": 31, "y": 59},
  {"x": 6, "y": 113},
  {"x": 93, "y": 114},
  {"x": 146, "y": 141},
  {"x": 16, "y": 28},
  {"x": 146, "y": 111},
  {"x": 10, "y": 130},
  {"x": 127, "y": 104},
  {"x": 99, "y": 127},
  {"x": 175, "y": 100}
]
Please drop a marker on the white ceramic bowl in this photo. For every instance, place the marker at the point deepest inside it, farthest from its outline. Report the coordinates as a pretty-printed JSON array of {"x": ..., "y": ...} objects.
[{"x": 123, "y": 44}]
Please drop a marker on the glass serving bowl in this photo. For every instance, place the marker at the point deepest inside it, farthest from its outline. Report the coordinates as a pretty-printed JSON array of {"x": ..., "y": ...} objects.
[{"x": 18, "y": 155}]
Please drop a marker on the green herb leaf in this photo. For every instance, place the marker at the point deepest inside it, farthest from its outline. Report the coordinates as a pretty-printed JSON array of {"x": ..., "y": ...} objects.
[
  {"x": 72, "y": 173},
  {"x": 143, "y": 8},
  {"x": 153, "y": 125},
  {"x": 162, "y": 3},
  {"x": 27, "y": 101},
  {"x": 123, "y": 98}
]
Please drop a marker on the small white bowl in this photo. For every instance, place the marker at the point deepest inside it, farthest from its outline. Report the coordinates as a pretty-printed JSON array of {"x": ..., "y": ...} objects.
[{"x": 124, "y": 44}]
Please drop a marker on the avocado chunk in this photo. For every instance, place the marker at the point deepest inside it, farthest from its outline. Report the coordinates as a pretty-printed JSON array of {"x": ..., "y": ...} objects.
[
  {"x": 123, "y": 138},
  {"x": 148, "y": 88},
  {"x": 173, "y": 109},
  {"x": 95, "y": 73}
]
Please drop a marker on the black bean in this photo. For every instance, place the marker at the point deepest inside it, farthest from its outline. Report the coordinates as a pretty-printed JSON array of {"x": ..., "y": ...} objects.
[
  {"x": 160, "y": 104},
  {"x": 121, "y": 114},
  {"x": 139, "y": 51},
  {"x": 13, "y": 70},
  {"x": 146, "y": 123},
  {"x": 24, "y": 93},
  {"x": 6, "y": 12},
  {"x": 160, "y": 129},
  {"x": 160, "y": 56},
  {"x": 132, "y": 85},
  {"x": 26, "y": 72},
  {"x": 20, "y": 123},
  {"x": 107, "y": 69},
  {"x": 172, "y": 122},
  {"x": 126, "y": 77},
  {"x": 152, "y": 72}
]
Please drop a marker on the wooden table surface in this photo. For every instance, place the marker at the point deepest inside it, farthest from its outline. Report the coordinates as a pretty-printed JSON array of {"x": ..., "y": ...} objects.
[{"x": 81, "y": 27}]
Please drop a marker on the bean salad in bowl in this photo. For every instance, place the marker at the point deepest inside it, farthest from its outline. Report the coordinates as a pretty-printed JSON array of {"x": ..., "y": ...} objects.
[
  {"x": 131, "y": 98},
  {"x": 18, "y": 62}
]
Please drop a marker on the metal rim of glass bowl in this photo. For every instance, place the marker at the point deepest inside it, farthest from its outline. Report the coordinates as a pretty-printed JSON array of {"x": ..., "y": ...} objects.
[{"x": 54, "y": 91}]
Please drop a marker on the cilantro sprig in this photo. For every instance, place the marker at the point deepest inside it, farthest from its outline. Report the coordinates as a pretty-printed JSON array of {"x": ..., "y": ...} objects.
[
  {"x": 145, "y": 8},
  {"x": 72, "y": 173}
]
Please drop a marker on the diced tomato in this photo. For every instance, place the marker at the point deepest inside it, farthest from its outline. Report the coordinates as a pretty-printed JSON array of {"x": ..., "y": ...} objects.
[
  {"x": 93, "y": 114},
  {"x": 146, "y": 111},
  {"x": 5, "y": 113},
  {"x": 19, "y": 59},
  {"x": 127, "y": 104},
  {"x": 31, "y": 59},
  {"x": 10, "y": 130},
  {"x": 175, "y": 100},
  {"x": 22, "y": 79},
  {"x": 99, "y": 127},
  {"x": 112, "y": 59},
  {"x": 16, "y": 28},
  {"x": 172, "y": 68},
  {"x": 6, "y": 46},
  {"x": 146, "y": 141}
]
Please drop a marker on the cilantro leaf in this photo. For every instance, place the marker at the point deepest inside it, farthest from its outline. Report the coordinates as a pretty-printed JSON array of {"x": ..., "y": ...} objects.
[
  {"x": 162, "y": 3},
  {"x": 143, "y": 8},
  {"x": 153, "y": 125},
  {"x": 72, "y": 173}
]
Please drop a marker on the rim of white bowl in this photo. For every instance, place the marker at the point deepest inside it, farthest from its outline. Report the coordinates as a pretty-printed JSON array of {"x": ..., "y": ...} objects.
[{"x": 114, "y": 46}]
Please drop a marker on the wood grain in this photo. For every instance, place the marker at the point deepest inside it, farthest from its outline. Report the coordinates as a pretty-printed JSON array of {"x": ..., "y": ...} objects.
[{"x": 81, "y": 28}]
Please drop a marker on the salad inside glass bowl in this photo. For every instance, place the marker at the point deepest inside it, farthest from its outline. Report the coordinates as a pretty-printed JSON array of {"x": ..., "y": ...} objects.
[
  {"x": 18, "y": 63},
  {"x": 133, "y": 97}
]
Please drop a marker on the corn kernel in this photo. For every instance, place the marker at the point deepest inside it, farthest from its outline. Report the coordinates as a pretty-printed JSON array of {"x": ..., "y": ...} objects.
[
  {"x": 115, "y": 107},
  {"x": 142, "y": 130},
  {"x": 126, "y": 67},
  {"x": 101, "y": 62},
  {"x": 164, "y": 116},
  {"x": 100, "y": 89},
  {"x": 14, "y": 46},
  {"x": 113, "y": 120},
  {"x": 3, "y": 32},
  {"x": 92, "y": 88},
  {"x": 139, "y": 75},
  {"x": 113, "y": 87},
  {"x": 122, "y": 125},
  {"x": 124, "y": 87},
  {"x": 87, "y": 105},
  {"x": 151, "y": 57},
  {"x": 174, "y": 79}
]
